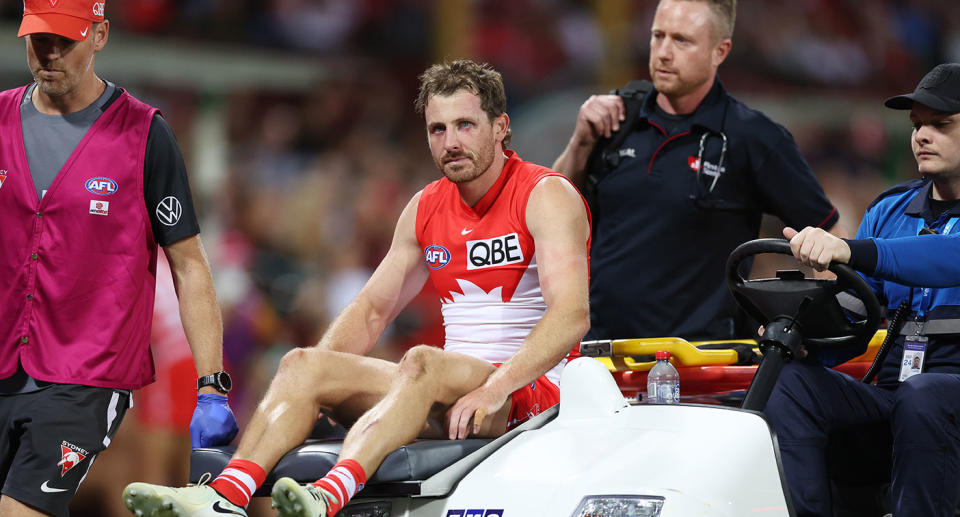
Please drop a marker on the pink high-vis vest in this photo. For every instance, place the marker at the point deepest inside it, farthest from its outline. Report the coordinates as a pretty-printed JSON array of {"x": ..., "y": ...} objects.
[{"x": 78, "y": 268}]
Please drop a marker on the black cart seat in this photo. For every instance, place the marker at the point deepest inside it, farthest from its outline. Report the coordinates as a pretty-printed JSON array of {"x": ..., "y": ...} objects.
[
  {"x": 429, "y": 468},
  {"x": 400, "y": 473}
]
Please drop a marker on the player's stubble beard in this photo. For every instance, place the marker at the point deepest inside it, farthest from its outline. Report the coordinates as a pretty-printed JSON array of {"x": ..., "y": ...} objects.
[{"x": 477, "y": 164}]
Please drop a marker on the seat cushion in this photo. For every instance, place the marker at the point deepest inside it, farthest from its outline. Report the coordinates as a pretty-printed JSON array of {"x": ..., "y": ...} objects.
[{"x": 312, "y": 460}]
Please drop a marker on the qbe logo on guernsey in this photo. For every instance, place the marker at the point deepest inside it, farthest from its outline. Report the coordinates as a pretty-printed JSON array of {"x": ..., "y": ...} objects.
[{"x": 497, "y": 251}]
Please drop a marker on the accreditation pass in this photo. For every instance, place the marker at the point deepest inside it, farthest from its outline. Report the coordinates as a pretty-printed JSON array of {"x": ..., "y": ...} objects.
[{"x": 914, "y": 348}]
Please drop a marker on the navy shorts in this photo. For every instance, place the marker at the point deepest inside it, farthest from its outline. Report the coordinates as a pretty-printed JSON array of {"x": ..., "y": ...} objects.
[{"x": 49, "y": 438}]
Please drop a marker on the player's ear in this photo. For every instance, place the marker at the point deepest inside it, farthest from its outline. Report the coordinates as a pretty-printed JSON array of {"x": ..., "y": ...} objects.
[{"x": 501, "y": 124}]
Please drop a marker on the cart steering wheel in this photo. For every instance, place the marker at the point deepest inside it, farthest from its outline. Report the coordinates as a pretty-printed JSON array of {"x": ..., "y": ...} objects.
[{"x": 811, "y": 302}]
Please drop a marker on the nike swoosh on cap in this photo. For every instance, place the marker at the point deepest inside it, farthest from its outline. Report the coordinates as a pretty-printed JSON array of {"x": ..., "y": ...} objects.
[{"x": 49, "y": 489}]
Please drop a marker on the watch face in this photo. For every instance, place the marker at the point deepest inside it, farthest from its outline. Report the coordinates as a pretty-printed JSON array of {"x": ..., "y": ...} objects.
[{"x": 224, "y": 382}]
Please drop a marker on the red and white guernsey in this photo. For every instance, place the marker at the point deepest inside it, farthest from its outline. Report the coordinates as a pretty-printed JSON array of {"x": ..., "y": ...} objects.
[{"x": 483, "y": 263}]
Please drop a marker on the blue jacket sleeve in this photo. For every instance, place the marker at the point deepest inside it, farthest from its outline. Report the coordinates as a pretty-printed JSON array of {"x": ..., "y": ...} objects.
[
  {"x": 865, "y": 231},
  {"x": 901, "y": 255},
  {"x": 924, "y": 260}
]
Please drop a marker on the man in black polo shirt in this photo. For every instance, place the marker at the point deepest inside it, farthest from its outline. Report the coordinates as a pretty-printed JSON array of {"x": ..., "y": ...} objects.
[{"x": 694, "y": 177}]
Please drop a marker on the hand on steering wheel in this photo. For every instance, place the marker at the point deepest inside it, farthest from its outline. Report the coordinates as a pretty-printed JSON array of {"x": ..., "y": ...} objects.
[
  {"x": 765, "y": 299},
  {"x": 817, "y": 248}
]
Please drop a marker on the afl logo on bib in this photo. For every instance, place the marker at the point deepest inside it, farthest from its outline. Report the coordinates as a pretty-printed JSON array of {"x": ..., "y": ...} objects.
[
  {"x": 102, "y": 186},
  {"x": 436, "y": 256},
  {"x": 498, "y": 251}
]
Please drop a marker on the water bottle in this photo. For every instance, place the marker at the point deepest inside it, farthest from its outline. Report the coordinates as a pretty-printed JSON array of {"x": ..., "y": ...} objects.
[{"x": 663, "y": 381}]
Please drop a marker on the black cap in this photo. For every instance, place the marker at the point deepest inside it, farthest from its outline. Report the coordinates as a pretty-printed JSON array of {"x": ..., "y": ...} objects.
[{"x": 939, "y": 90}]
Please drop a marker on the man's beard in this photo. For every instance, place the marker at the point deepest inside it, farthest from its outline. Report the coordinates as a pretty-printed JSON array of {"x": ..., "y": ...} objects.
[
  {"x": 56, "y": 88},
  {"x": 466, "y": 172},
  {"x": 461, "y": 172}
]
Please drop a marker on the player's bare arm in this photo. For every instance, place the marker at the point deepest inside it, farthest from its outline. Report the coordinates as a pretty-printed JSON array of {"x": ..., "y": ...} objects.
[
  {"x": 598, "y": 117},
  {"x": 199, "y": 311},
  {"x": 398, "y": 278},
  {"x": 557, "y": 221}
]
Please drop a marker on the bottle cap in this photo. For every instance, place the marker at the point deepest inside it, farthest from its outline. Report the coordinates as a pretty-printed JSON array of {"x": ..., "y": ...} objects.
[{"x": 663, "y": 354}]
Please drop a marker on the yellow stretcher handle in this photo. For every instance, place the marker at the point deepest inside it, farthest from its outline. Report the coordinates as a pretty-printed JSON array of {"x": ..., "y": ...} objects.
[
  {"x": 682, "y": 351},
  {"x": 686, "y": 353}
]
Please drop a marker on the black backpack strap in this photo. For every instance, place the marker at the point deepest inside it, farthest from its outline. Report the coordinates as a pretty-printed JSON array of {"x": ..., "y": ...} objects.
[{"x": 606, "y": 153}]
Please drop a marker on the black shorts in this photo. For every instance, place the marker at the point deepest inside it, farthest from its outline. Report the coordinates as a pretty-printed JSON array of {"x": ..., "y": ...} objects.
[{"x": 49, "y": 438}]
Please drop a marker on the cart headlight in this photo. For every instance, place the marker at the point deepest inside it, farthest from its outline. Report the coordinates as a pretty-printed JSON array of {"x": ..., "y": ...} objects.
[{"x": 619, "y": 506}]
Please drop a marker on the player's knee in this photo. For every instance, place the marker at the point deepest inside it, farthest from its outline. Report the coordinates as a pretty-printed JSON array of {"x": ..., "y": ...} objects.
[
  {"x": 306, "y": 361},
  {"x": 291, "y": 360},
  {"x": 416, "y": 362}
]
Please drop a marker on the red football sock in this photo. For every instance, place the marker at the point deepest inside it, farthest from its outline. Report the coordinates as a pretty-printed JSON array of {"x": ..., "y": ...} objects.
[
  {"x": 238, "y": 481},
  {"x": 344, "y": 480}
]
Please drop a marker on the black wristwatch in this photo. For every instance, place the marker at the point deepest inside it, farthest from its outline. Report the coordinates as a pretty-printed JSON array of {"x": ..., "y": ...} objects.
[{"x": 220, "y": 380}]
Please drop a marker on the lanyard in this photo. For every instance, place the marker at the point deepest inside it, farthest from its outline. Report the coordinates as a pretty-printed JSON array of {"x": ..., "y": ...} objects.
[
  {"x": 925, "y": 300},
  {"x": 921, "y": 224}
]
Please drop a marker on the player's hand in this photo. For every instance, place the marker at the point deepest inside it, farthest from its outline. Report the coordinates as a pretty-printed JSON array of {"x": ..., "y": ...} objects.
[
  {"x": 471, "y": 413},
  {"x": 817, "y": 248},
  {"x": 213, "y": 422},
  {"x": 599, "y": 116}
]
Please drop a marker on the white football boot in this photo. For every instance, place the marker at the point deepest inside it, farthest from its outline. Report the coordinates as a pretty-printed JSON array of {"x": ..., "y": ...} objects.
[
  {"x": 291, "y": 499},
  {"x": 146, "y": 500}
]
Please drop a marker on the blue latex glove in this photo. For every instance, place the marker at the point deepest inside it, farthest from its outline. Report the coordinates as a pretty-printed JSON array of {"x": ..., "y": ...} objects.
[{"x": 213, "y": 423}]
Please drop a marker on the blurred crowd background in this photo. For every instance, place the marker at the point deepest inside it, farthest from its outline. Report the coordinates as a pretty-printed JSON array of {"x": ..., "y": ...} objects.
[{"x": 296, "y": 121}]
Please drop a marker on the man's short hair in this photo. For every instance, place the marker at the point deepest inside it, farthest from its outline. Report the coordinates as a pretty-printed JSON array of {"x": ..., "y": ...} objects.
[
  {"x": 726, "y": 13},
  {"x": 463, "y": 74}
]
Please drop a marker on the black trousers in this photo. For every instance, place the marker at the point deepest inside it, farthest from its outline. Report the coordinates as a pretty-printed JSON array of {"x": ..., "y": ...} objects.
[{"x": 914, "y": 429}]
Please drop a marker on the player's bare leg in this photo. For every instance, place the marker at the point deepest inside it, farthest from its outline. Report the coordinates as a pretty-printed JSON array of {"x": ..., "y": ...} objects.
[
  {"x": 427, "y": 376},
  {"x": 307, "y": 381},
  {"x": 429, "y": 380},
  {"x": 310, "y": 380}
]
